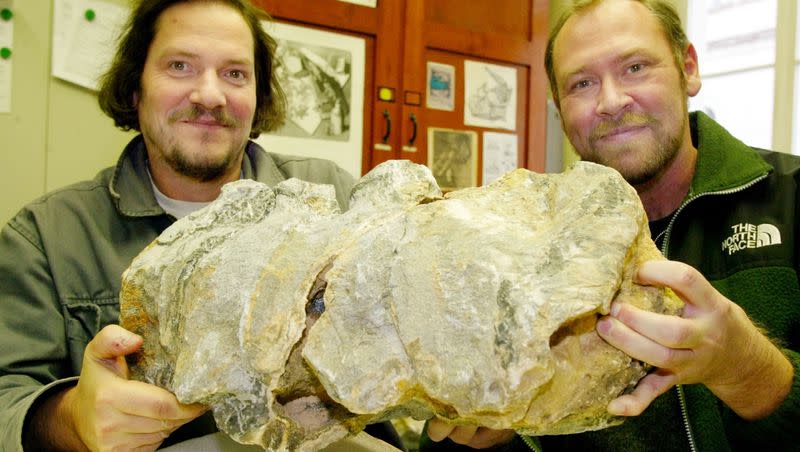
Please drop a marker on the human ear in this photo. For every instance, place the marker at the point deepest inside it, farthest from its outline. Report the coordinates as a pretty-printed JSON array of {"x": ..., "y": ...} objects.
[{"x": 691, "y": 71}]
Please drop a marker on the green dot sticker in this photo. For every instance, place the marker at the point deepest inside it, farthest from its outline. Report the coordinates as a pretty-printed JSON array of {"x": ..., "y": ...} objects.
[
  {"x": 89, "y": 15},
  {"x": 6, "y": 14},
  {"x": 5, "y": 53}
]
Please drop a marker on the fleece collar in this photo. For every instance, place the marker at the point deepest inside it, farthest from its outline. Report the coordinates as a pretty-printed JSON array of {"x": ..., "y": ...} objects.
[{"x": 723, "y": 161}]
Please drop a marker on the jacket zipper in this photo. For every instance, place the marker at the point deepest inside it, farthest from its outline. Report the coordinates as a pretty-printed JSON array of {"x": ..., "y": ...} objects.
[
  {"x": 531, "y": 443},
  {"x": 664, "y": 250}
]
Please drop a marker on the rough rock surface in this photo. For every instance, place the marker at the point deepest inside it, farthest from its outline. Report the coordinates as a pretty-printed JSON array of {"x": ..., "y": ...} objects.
[{"x": 300, "y": 324}]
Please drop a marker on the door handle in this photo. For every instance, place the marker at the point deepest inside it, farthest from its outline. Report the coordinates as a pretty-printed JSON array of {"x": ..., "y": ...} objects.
[
  {"x": 413, "y": 138},
  {"x": 388, "y": 119}
]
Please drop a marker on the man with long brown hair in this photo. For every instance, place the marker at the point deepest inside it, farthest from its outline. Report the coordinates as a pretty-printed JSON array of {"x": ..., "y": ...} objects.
[{"x": 195, "y": 77}]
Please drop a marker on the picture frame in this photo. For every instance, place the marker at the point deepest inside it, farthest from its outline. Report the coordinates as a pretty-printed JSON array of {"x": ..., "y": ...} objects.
[
  {"x": 441, "y": 86},
  {"x": 453, "y": 157},
  {"x": 323, "y": 76},
  {"x": 490, "y": 95}
]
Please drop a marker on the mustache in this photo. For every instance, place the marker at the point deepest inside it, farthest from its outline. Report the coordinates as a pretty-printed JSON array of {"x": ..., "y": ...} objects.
[
  {"x": 626, "y": 120},
  {"x": 196, "y": 112}
]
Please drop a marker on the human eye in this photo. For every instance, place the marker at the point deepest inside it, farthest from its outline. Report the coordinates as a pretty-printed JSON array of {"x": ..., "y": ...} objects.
[
  {"x": 636, "y": 67},
  {"x": 580, "y": 85},
  {"x": 178, "y": 66},
  {"x": 237, "y": 75}
]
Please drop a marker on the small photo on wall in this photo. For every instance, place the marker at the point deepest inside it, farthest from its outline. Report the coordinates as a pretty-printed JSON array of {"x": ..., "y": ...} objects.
[
  {"x": 441, "y": 86},
  {"x": 453, "y": 157}
]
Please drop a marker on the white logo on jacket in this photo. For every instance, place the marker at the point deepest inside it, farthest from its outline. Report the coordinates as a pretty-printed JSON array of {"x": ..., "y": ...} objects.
[{"x": 749, "y": 236}]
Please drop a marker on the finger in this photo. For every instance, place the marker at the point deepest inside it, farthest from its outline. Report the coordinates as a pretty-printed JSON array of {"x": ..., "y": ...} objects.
[
  {"x": 463, "y": 434},
  {"x": 640, "y": 347},
  {"x": 139, "y": 424},
  {"x": 686, "y": 281},
  {"x": 109, "y": 347},
  {"x": 487, "y": 437},
  {"x": 143, "y": 399},
  {"x": 439, "y": 430},
  {"x": 668, "y": 330},
  {"x": 648, "y": 388}
]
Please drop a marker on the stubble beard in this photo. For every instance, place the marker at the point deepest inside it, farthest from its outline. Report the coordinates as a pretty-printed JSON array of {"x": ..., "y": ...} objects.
[
  {"x": 203, "y": 171},
  {"x": 202, "y": 168},
  {"x": 649, "y": 163}
]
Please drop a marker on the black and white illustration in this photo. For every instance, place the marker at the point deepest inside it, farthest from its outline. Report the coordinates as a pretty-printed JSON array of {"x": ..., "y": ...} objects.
[
  {"x": 322, "y": 74},
  {"x": 453, "y": 157},
  {"x": 490, "y": 93},
  {"x": 499, "y": 155}
]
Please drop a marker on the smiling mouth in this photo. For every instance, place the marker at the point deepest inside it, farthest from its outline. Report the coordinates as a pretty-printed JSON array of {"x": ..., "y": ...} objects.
[
  {"x": 622, "y": 132},
  {"x": 203, "y": 123}
]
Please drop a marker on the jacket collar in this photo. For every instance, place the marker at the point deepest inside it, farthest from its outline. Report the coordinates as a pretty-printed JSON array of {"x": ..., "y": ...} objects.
[
  {"x": 723, "y": 161},
  {"x": 130, "y": 185}
]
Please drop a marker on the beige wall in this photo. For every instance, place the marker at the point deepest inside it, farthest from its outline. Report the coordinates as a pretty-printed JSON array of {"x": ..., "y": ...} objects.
[{"x": 55, "y": 133}]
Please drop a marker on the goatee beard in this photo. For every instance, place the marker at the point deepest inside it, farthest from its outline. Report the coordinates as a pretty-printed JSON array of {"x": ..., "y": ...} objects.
[{"x": 203, "y": 172}]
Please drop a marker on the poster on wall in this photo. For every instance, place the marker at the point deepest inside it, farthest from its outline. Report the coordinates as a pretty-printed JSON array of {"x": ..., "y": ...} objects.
[
  {"x": 322, "y": 74},
  {"x": 441, "y": 92},
  {"x": 490, "y": 95},
  {"x": 84, "y": 35},
  {"x": 6, "y": 53},
  {"x": 453, "y": 157},
  {"x": 499, "y": 155}
]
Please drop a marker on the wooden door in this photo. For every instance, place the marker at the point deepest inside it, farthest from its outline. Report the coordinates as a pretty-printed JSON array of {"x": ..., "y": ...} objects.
[
  {"x": 378, "y": 27},
  {"x": 506, "y": 34},
  {"x": 402, "y": 36}
]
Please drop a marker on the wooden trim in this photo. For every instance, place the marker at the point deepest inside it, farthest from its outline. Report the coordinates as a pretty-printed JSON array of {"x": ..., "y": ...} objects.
[
  {"x": 333, "y": 15},
  {"x": 492, "y": 46}
]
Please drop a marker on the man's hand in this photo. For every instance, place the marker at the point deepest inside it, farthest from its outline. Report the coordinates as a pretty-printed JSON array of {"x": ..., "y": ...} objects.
[
  {"x": 472, "y": 436},
  {"x": 106, "y": 411},
  {"x": 713, "y": 342}
]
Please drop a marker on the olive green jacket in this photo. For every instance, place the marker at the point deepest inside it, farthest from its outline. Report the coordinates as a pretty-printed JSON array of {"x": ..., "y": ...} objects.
[
  {"x": 735, "y": 188},
  {"x": 61, "y": 258}
]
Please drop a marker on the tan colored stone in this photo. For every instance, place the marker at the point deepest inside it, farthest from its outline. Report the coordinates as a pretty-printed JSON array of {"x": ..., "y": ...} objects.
[{"x": 478, "y": 306}]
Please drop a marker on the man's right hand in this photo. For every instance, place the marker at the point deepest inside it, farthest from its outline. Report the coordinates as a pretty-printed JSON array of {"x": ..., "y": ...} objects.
[
  {"x": 471, "y": 436},
  {"x": 105, "y": 410}
]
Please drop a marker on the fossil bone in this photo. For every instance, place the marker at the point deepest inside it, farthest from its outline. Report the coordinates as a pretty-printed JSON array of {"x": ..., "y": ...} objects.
[{"x": 299, "y": 324}]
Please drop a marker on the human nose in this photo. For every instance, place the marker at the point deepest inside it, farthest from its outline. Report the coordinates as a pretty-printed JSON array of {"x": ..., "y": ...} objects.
[
  {"x": 612, "y": 98},
  {"x": 209, "y": 91}
]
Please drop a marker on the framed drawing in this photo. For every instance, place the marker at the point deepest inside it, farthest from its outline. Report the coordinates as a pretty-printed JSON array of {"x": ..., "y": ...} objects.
[
  {"x": 441, "y": 86},
  {"x": 322, "y": 74},
  {"x": 490, "y": 93},
  {"x": 453, "y": 157}
]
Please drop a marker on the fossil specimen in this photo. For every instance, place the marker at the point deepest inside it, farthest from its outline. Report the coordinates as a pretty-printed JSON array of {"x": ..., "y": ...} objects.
[{"x": 299, "y": 324}]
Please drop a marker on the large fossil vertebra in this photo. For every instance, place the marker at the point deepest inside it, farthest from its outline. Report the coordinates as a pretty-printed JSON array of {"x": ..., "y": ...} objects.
[{"x": 299, "y": 324}]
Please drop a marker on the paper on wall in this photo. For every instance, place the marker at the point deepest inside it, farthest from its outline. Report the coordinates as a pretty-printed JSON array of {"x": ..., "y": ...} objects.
[
  {"x": 83, "y": 48},
  {"x": 490, "y": 95},
  {"x": 370, "y": 3},
  {"x": 499, "y": 155},
  {"x": 6, "y": 64}
]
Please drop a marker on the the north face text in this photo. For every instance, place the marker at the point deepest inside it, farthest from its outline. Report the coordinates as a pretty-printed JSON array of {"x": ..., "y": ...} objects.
[{"x": 746, "y": 235}]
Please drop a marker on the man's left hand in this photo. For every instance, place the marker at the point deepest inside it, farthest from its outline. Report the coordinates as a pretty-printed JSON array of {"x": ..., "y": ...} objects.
[{"x": 713, "y": 342}]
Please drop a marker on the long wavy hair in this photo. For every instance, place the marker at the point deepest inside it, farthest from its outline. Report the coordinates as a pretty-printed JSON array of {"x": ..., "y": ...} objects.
[{"x": 123, "y": 79}]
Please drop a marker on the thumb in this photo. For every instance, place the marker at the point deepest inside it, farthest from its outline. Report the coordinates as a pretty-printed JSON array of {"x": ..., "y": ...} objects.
[{"x": 110, "y": 346}]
